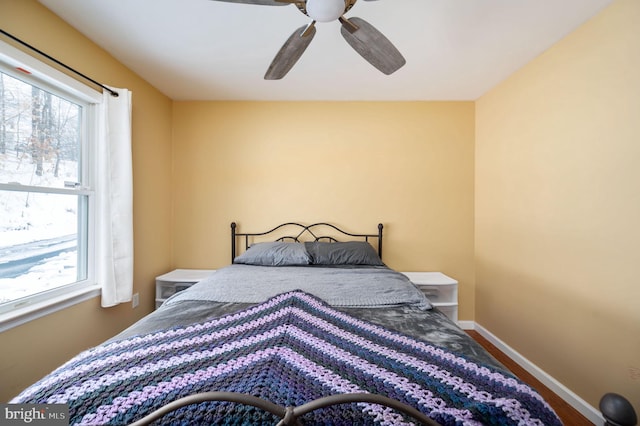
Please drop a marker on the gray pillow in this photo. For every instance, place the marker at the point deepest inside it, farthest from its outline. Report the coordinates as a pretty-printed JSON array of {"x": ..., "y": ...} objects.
[
  {"x": 275, "y": 254},
  {"x": 343, "y": 253}
]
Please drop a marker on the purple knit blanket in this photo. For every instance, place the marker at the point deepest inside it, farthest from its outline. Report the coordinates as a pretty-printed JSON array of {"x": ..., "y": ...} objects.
[{"x": 289, "y": 350}]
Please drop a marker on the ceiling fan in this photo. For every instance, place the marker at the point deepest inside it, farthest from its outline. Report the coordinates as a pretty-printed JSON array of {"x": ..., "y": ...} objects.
[{"x": 370, "y": 43}]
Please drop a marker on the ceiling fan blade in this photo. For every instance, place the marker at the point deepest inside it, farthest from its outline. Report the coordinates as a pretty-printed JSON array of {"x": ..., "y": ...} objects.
[
  {"x": 372, "y": 45},
  {"x": 290, "y": 52},
  {"x": 261, "y": 2}
]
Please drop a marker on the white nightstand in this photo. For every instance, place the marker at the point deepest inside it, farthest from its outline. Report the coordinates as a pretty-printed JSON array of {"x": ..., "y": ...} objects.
[
  {"x": 440, "y": 289},
  {"x": 178, "y": 280}
]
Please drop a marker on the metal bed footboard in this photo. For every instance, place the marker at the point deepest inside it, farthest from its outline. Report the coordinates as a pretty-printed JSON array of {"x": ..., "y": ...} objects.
[{"x": 289, "y": 415}]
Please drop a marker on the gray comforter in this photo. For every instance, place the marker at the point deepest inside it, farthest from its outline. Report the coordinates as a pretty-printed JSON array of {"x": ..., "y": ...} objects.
[
  {"x": 370, "y": 287},
  {"x": 199, "y": 304}
]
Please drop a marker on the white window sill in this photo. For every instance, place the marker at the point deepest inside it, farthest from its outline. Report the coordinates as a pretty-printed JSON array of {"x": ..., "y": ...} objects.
[{"x": 29, "y": 313}]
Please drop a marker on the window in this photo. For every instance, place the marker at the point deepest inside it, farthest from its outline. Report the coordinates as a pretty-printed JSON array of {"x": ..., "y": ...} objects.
[{"x": 46, "y": 182}]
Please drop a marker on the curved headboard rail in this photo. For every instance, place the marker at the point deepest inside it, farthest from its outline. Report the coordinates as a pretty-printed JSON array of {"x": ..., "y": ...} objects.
[{"x": 301, "y": 232}]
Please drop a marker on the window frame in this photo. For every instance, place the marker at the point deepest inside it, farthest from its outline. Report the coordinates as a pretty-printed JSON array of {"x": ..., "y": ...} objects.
[{"x": 49, "y": 78}]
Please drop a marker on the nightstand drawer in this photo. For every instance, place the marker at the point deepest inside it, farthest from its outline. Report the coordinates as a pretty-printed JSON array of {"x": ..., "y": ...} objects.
[
  {"x": 440, "y": 289},
  {"x": 449, "y": 311},
  {"x": 167, "y": 290},
  {"x": 176, "y": 281},
  {"x": 440, "y": 293}
]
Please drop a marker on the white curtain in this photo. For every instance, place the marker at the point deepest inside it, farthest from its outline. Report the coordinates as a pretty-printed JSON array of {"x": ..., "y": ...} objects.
[{"x": 114, "y": 251}]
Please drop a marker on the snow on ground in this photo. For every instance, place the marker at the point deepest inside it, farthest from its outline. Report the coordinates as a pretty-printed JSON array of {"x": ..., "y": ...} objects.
[
  {"x": 55, "y": 272},
  {"x": 30, "y": 217}
]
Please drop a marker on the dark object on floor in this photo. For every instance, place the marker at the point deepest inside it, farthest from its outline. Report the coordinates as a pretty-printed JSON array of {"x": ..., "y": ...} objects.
[{"x": 617, "y": 410}]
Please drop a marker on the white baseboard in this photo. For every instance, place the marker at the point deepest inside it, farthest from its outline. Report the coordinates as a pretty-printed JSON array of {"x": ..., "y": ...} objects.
[
  {"x": 467, "y": 325},
  {"x": 555, "y": 386}
]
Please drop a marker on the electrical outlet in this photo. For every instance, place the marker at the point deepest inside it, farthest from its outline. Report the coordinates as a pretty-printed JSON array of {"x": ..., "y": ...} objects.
[{"x": 135, "y": 300}]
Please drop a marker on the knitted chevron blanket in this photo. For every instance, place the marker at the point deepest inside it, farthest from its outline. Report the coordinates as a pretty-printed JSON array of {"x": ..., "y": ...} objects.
[{"x": 289, "y": 350}]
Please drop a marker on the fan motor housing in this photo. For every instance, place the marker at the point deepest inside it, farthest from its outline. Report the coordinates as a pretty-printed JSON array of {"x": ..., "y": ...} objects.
[{"x": 302, "y": 6}]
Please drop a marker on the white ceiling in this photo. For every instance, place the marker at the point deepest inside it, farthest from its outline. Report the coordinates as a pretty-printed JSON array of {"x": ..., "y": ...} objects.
[{"x": 212, "y": 50}]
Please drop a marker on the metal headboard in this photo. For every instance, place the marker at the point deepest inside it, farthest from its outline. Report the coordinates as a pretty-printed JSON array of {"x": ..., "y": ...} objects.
[{"x": 301, "y": 233}]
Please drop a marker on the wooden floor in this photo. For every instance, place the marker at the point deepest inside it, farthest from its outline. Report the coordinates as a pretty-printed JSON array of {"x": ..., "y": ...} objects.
[{"x": 568, "y": 414}]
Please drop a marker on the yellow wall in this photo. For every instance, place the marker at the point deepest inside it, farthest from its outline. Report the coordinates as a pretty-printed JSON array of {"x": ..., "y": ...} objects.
[
  {"x": 408, "y": 165},
  {"x": 32, "y": 350},
  {"x": 556, "y": 196},
  {"x": 558, "y": 208}
]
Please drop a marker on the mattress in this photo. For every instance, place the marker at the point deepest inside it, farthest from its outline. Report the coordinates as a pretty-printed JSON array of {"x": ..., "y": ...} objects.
[
  {"x": 412, "y": 315},
  {"x": 290, "y": 335}
]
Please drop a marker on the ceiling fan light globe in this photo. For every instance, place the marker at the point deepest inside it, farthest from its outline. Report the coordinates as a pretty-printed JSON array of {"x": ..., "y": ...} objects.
[{"x": 325, "y": 10}]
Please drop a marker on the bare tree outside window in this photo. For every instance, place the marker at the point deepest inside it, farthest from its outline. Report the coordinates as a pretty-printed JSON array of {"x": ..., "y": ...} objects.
[{"x": 42, "y": 218}]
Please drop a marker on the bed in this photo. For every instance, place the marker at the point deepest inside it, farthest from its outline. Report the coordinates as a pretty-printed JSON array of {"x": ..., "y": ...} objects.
[{"x": 307, "y": 325}]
